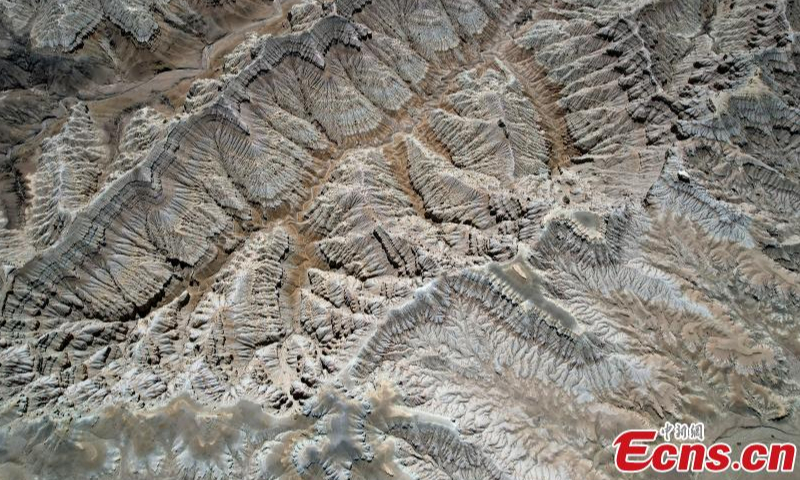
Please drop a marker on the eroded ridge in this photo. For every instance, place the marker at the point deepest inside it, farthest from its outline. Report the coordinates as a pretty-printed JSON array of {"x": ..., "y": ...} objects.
[{"x": 386, "y": 239}]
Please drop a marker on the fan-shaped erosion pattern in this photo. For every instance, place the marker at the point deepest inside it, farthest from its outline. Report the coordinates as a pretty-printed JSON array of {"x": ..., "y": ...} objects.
[{"x": 389, "y": 239}]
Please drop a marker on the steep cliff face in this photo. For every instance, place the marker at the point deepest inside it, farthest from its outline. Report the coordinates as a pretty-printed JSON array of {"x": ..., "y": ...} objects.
[{"x": 407, "y": 239}]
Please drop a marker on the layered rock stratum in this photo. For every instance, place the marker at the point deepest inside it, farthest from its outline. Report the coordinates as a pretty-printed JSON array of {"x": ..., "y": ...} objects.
[{"x": 393, "y": 239}]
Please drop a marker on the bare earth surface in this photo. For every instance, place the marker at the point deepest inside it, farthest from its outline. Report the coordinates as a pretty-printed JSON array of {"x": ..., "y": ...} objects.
[{"x": 393, "y": 239}]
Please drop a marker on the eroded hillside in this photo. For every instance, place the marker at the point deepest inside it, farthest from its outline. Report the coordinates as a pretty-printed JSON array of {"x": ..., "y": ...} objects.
[{"x": 406, "y": 239}]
